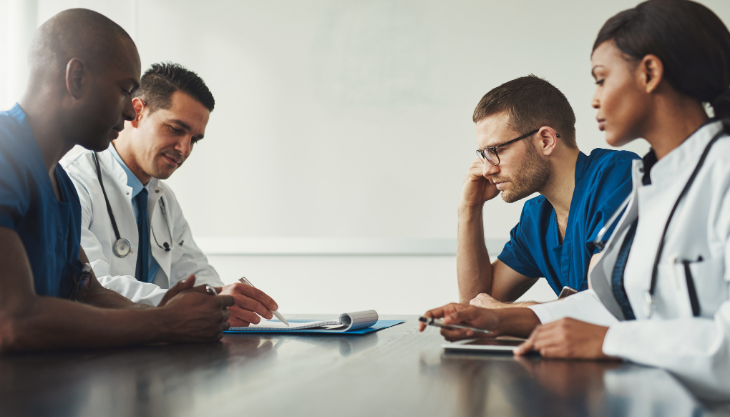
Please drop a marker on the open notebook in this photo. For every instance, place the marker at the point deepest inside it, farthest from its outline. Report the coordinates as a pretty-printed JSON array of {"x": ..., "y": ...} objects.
[{"x": 347, "y": 321}]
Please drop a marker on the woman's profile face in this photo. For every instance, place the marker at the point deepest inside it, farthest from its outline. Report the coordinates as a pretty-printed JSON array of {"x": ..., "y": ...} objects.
[{"x": 621, "y": 101}]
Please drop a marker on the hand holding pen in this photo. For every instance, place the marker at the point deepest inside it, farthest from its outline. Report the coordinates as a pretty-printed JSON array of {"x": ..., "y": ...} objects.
[
  {"x": 276, "y": 313},
  {"x": 250, "y": 304},
  {"x": 460, "y": 321}
]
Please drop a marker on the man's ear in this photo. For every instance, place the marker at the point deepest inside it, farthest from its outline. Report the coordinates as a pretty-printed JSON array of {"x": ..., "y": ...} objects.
[
  {"x": 548, "y": 139},
  {"x": 139, "y": 107},
  {"x": 650, "y": 73},
  {"x": 77, "y": 78}
]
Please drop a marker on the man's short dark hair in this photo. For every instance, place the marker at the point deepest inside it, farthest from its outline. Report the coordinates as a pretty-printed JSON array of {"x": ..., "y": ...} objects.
[
  {"x": 532, "y": 103},
  {"x": 162, "y": 80}
]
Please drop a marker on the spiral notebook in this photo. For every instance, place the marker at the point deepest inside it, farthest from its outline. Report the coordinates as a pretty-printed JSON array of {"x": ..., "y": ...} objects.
[{"x": 360, "y": 322}]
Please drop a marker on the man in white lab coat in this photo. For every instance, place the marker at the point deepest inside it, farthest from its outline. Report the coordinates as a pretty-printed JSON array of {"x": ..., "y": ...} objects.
[{"x": 141, "y": 256}]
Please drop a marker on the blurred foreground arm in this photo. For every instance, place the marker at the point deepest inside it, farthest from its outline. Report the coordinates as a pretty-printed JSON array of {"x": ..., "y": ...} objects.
[{"x": 29, "y": 322}]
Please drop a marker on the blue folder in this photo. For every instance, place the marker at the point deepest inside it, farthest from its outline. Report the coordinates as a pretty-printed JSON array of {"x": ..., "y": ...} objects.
[{"x": 380, "y": 325}]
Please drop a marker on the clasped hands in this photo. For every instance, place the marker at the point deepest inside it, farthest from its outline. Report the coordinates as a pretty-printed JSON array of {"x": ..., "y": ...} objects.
[
  {"x": 565, "y": 338},
  {"x": 246, "y": 304}
]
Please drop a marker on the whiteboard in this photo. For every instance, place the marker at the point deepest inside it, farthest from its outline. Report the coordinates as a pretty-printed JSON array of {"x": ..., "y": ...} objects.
[{"x": 352, "y": 119}]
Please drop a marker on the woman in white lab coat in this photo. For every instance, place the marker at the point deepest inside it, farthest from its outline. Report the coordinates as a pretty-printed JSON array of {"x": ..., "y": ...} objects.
[{"x": 659, "y": 293}]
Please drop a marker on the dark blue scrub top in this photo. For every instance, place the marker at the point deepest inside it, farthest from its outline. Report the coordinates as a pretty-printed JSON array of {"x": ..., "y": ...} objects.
[
  {"x": 602, "y": 183},
  {"x": 49, "y": 229}
]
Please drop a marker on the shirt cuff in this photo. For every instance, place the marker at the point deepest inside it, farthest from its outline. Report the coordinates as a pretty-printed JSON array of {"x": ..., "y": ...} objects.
[
  {"x": 542, "y": 313},
  {"x": 584, "y": 306},
  {"x": 612, "y": 341}
]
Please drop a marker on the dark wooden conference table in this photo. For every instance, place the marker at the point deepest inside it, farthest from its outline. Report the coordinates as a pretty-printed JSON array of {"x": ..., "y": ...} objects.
[{"x": 394, "y": 372}]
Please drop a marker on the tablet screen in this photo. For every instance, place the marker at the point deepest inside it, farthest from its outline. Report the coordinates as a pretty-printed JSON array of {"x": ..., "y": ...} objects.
[
  {"x": 493, "y": 345},
  {"x": 494, "y": 342}
]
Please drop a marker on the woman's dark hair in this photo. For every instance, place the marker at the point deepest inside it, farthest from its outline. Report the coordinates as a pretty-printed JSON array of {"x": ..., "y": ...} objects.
[{"x": 689, "y": 39}]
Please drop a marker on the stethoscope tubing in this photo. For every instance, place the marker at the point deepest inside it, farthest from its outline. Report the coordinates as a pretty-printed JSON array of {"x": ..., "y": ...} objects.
[
  {"x": 655, "y": 270},
  {"x": 122, "y": 246},
  {"x": 657, "y": 258}
]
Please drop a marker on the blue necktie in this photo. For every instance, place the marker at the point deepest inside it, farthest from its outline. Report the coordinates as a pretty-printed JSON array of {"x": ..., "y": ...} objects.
[{"x": 143, "y": 227}]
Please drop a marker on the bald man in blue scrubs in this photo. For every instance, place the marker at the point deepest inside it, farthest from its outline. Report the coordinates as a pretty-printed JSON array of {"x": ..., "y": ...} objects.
[
  {"x": 84, "y": 69},
  {"x": 526, "y": 141}
]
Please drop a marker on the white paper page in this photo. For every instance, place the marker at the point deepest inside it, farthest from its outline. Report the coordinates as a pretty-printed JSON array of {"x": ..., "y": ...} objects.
[
  {"x": 347, "y": 321},
  {"x": 277, "y": 325}
]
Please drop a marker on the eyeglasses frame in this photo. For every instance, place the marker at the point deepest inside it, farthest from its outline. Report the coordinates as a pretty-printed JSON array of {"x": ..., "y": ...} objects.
[{"x": 483, "y": 155}]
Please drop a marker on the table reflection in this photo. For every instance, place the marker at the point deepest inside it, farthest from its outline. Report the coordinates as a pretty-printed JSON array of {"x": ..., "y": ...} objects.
[
  {"x": 487, "y": 383},
  {"x": 112, "y": 382}
]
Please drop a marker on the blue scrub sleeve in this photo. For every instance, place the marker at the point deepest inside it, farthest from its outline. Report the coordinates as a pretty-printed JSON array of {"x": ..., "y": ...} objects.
[
  {"x": 14, "y": 194},
  {"x": 516, "y": 253},
  {"x": 618, "y": 179}
]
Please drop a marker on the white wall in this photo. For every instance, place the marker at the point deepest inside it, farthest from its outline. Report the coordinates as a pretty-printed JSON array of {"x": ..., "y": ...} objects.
[
  {"x": 338, "y": 284},
  {"x": 351, "y": 119},
  {"x": 342, "y": 119},
  {"x": 5, "y": 101}
]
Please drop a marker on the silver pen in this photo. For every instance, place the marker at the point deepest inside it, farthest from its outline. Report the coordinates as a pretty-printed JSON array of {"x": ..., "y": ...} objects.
[{"x": 276, "y": 313}]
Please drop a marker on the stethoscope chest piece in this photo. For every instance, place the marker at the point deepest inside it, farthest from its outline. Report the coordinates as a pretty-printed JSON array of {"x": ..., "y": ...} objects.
[{"x": 122, "y": 247}]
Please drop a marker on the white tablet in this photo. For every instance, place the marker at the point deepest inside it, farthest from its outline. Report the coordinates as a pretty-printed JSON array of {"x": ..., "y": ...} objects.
[{"x": 494, "y": 345}]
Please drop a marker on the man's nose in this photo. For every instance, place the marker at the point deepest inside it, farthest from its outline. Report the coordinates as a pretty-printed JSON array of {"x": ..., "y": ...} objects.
[
  {"x": 488, "y": 169},
  {"x": 129, "y": 112},
  {"x": 184, "y": 146}
]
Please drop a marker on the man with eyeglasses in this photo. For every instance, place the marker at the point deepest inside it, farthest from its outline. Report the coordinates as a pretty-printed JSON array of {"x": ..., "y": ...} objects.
[
  {"x": 132, "y": 227},
  {"x": 526, "y": 138}
]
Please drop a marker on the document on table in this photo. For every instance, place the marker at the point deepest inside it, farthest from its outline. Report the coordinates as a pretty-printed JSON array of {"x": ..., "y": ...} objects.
[{"x": 347, "y": 321}]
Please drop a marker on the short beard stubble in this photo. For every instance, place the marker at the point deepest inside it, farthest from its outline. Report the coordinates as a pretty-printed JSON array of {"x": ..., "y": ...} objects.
[{"x": 531, "y": 177}]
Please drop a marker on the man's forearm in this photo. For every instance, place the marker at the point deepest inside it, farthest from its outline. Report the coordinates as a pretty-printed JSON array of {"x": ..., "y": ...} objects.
[
  {"x": 516, "y": 321},
  {"x": 523, "y": 304},
  {"x": 473, "y": 266},
  {"x": 101, "y": 297},
  {"x": 105, "y": 298},
  {"x": 50, "y": 324}
]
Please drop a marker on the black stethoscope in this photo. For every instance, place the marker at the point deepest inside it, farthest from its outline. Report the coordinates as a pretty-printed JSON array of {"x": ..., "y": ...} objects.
[
  {"x": 649, "y": 295},
  {"x": 122, "y": 247}
]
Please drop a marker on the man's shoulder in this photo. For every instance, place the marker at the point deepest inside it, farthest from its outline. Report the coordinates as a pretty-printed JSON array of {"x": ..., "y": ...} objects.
[
  {"x": 9, "y": 126},
  {"x": 80, "y": 165},
  {"x": 77, "y": 159},
  {"x": 13, "y": 146},
  {"x": 20, "y": 158},
  {"x": 602, "y": 158},
  {"x": 606, "y": 182},
  {"x": 605, "y": 165}
]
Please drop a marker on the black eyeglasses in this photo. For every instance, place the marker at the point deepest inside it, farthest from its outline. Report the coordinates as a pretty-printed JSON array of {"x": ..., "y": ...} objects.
[{"x": 491, "y": 153}]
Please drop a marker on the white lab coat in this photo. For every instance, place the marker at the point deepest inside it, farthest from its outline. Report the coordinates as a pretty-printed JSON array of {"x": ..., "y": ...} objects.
[
  {"x": 695, "y": 349},
  {"x": 97, "y": 234}
]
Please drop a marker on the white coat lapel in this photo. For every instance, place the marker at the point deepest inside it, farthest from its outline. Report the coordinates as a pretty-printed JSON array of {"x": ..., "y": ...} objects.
[
  {"x": 599, "y": 278},
  {"x": 162, "y": 229}
]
